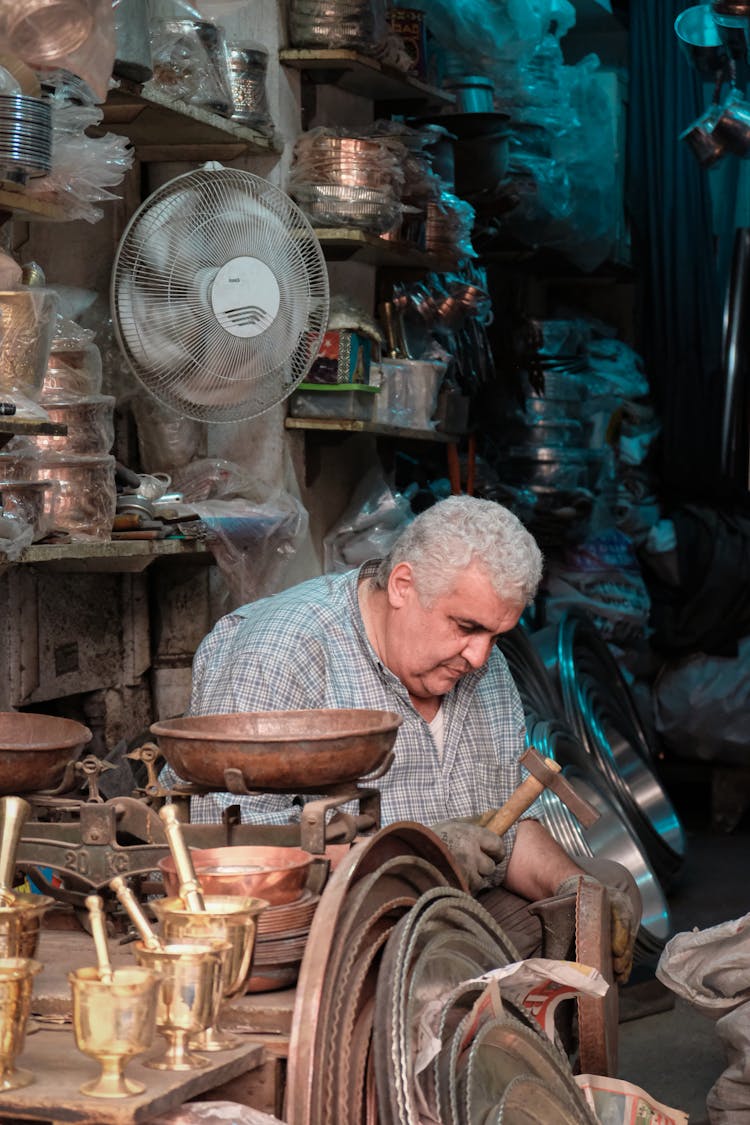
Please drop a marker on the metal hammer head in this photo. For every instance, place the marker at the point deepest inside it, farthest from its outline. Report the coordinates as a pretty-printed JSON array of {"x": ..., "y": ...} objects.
[{"x": 547, "y": 771}]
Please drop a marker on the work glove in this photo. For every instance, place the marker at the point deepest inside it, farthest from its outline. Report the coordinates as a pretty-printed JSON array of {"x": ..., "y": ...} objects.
[
  {"x": 477, "y": 851},
  {"x": 623, "y": 925}
]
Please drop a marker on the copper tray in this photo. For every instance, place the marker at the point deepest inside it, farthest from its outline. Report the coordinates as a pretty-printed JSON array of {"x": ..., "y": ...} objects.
[
  {"x": 278, "y": 750},
  {"x": 34, "y": 750},
  {"x": 277, "y": 874}
]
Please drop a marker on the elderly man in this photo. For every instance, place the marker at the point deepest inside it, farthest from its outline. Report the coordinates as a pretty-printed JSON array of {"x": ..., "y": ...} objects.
[{"x": 415, "y": 634}]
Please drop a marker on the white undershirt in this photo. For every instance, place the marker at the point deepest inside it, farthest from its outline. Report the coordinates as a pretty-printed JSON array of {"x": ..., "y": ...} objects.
[{"x": 437, "y": 730}]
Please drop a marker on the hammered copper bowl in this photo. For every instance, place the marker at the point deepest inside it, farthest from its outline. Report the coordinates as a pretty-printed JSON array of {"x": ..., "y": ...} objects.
[
  {"x": 278, "y": 750},
  {"x": 35, "y": 749},
  {"x": 276, "y": 874}
]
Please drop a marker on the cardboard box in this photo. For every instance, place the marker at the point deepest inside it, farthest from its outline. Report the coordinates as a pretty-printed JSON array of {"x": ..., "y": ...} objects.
[
  {"x": 409, "y": 24},
  {"x": 344, "y": 357}
]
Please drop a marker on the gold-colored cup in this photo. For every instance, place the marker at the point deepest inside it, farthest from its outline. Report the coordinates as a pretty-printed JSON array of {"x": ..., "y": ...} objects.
[
  {"x": 230, "y": 918},
  {"x": 21, "y": 924},
  {"x": 113, "y": 1022},
  {"x": 190, "y": 978},
  {"x": 16, "y": 983}
]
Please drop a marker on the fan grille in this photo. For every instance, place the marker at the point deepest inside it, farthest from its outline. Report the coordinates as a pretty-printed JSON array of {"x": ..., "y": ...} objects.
[{"x": 219, "y": 295}]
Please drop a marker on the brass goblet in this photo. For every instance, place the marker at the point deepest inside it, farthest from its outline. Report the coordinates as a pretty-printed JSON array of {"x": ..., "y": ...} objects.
[
  {"x": 113, "y": 1021},
  {"x": 230, "y": 918},
  {"x": 16, "y": 982},
  {"x": 21, "y": 923},
  {"x": 190, "y": 974}
]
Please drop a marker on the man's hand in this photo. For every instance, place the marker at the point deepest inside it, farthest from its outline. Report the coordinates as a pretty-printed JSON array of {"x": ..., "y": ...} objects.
[
  {"x": 623, "y": 925},
  {"x": 476, "y": 850}
]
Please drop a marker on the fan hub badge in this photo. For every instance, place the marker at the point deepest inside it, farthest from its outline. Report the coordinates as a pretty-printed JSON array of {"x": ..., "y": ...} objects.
[{"x": 245, "y": 297}]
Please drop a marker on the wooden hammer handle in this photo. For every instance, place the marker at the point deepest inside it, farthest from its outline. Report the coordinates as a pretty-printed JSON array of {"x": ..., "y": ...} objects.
[{"x": 500, "y": 820}]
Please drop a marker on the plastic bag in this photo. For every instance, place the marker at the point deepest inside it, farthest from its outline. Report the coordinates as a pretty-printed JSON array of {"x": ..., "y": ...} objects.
[
  {"x": 701, "y": 705},
  {"x": 214, "y": 1113},
  {"x": 253, "y": 542},
  {"x": 708, "y": 968},
  {"x": 79, "y": 37},
  {"x": 83, "y": 167},
  {"x": 372, "y": 521},
  {"x": 190, "y": 58},
  {"x": 357, "y": 24}
]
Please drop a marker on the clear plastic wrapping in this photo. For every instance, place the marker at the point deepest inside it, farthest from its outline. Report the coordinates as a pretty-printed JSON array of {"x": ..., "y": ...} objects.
[
  {"x": 373, "y": 519},
  {"x": 341, "y": 178},
  {"x": 81, "y": 504},
  {"x": 74, "y": 367},
  {"x": 77, "y": 35},
  {"x": 253, "y": 542},
  {"x": 83, "y": 167},
  {"x": 90, "y": 425},
  {"x": 190, "y": 58},
  {"x": 27, "y": 327},
  {"x": 248, "y": 64},
  {"x": 358, "y": 24},
  {"x": 214, "y": 1113}
]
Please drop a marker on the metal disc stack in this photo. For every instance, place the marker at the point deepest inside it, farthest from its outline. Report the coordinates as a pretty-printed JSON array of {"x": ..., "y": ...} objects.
[
  {"x": 611, "y": 837},
  {"x": 603, "y": 714},
  {"x": 280, "y": 943},
  {"x": 25, "y": 137}
]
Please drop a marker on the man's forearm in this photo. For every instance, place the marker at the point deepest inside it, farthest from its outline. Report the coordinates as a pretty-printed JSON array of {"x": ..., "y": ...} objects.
[{"x": 537, "y": 863}]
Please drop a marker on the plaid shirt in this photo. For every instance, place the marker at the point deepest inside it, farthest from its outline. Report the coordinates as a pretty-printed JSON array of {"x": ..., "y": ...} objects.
[{"x": 306, "y": 647}]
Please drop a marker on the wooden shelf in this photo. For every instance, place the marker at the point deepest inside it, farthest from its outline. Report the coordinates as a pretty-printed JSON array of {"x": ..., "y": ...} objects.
[
  {"x": 163, "y": 128},
  {"x": 356, "y": 426},
  {"x": 122, "y": 556},
  {"x": 17, "y": 202},
  {"x": 345, "y": 244},
  {"x": 360, "y": 74}
]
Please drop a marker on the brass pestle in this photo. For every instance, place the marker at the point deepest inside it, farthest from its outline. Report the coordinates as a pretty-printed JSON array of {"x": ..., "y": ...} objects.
[
  {"x": 135, "y": 913},
  {"x": 190, "y": 889},
  {"x": 99, "y": 933},
  {"x": 14, "y": 812}
]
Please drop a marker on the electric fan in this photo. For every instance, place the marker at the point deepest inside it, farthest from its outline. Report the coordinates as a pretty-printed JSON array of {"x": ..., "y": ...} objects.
[{"x": 219, "y": 294}]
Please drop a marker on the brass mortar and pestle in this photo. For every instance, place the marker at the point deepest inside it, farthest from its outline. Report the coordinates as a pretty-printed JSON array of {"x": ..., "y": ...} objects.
[
  {"x": 193, "y": 916},
  {"x": 20, "y": 914},
  {"x": 114, "y": 1014}
]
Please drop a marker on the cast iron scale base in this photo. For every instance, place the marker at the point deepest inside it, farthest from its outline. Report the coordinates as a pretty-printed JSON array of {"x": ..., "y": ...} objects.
[{"x": 86, "y": 841}]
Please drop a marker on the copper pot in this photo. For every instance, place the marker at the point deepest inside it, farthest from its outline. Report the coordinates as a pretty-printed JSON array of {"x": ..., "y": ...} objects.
[
  {"x": 84, "y": 502},
  {"x": 275, "y": 874},
  {"x": 278, "y": 750},
  {"x": 34, "y": 750},
  {"x": 25, "y": 500},
  {"x": 90, "y": 422}
]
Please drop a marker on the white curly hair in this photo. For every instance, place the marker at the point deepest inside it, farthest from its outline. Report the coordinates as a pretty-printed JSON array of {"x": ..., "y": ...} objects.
[{"x": 446, "y": 538}]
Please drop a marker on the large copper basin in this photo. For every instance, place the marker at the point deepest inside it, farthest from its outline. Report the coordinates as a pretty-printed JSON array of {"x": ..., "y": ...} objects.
[
  {"x": 34, "y": 750},
  {"x": 278, "y": 750},
  {"x": 277, "y": 875}
]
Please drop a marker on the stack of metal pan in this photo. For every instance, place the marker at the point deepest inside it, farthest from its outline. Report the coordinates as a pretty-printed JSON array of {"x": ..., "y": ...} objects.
[
  {"x": 557, "y": 736},
  {"x": 25, "y": 137},
  {"x": 604, "y": 716},
  {"x": 428, "y": 991},
  {"x": 611, "y": 837}
]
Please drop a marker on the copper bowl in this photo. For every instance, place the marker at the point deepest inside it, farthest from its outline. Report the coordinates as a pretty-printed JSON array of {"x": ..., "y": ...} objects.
[
  {"x": 35, "y": 749},
  {"x": 278, "y": 750},
  {"x": 277, "y": 875}
]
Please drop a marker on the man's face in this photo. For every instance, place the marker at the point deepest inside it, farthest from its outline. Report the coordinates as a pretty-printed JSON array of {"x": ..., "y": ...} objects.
[{"x": 429, "y": 647}]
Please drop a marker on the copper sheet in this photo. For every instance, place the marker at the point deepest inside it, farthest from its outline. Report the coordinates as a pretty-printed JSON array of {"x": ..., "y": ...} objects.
[{"x": 598, "y": 1016}]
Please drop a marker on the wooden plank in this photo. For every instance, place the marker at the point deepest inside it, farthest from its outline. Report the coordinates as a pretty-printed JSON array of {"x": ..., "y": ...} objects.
[
  {"x": 106, "y": 556},
  {"x": 347, "y": 244},
  {"x": 164, "y": 128},
  {"x": 25, "y": 206},
  {"x": 365, "y": 76},
  {"x": 357, "y": 426},
  {"x": 59, "y": 1068}
]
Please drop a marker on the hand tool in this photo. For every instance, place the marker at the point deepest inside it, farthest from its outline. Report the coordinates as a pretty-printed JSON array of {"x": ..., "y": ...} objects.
[{"x": 544, "y": 774}]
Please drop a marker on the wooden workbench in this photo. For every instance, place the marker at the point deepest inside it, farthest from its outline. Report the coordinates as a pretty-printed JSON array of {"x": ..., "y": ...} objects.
[{"x": 251, "y": 1074}]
